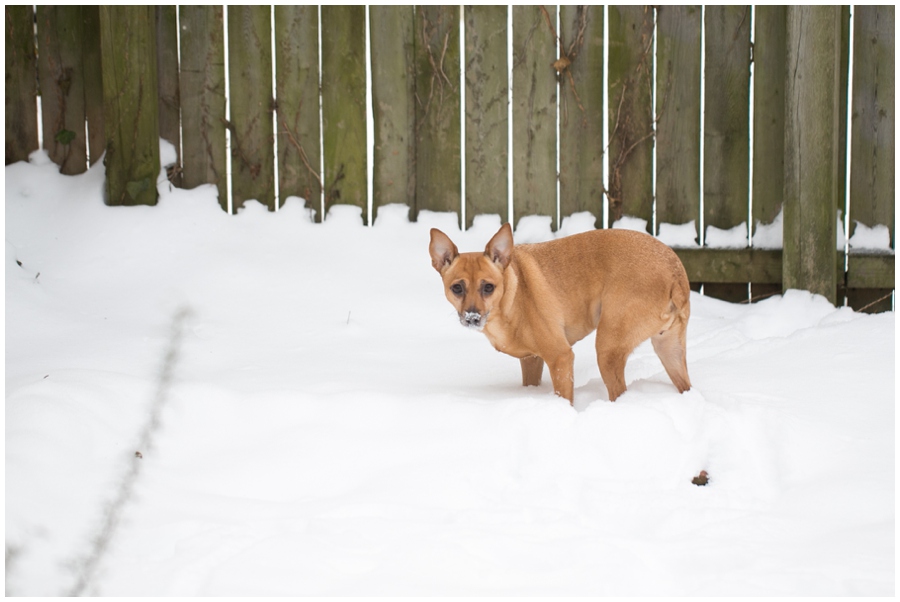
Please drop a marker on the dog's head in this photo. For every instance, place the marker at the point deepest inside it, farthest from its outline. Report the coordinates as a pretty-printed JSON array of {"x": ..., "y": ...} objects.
[{"x": 473, "y": 282}]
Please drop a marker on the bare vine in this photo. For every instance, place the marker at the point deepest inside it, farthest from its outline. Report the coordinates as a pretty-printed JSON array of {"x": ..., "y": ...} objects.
[
  {"x": 568, "y": 55},
  {"x": 303, "y": 156},
  {"x": 437, "y": 69},
  {"x": 623, "y": 126}
]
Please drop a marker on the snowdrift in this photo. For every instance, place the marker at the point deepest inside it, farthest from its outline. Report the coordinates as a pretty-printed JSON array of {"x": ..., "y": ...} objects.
[{"x": 326, "y": 427}]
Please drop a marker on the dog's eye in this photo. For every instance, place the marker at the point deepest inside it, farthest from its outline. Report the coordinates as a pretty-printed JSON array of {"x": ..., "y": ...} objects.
[
  {"x": 457, "y": 289},
  {"x": 487, "y": 288}
]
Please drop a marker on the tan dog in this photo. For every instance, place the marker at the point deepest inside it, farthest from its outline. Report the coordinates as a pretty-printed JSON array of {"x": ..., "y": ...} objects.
[{"x": 535, "y": 301}]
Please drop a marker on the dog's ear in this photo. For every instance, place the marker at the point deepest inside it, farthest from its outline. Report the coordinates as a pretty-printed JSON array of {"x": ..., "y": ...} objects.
[
  {"x": 499, "y": 249},
  {"x": 442, "y": 250}
]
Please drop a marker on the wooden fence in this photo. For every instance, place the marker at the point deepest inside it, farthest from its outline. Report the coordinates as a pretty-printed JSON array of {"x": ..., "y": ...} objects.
[{"x": 675, "y": 151}]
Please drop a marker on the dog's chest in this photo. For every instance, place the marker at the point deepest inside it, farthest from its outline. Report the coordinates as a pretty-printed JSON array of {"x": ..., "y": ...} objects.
[{"x": 508, "y": 339}]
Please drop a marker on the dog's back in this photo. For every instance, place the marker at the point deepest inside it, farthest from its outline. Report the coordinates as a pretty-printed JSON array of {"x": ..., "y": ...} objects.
[{"x": 629, "y": 269}]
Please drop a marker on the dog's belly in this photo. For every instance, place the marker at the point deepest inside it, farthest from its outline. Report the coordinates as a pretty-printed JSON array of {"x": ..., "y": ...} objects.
[{"x": 580, "y": 324}]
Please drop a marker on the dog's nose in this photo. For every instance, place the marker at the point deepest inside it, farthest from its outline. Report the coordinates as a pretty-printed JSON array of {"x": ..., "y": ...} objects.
[{"x": 471, "y": 319}]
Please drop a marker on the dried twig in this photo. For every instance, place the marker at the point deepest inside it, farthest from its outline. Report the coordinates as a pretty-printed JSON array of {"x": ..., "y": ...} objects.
[
  {"x": 567, "y": 57},
  {"x": 437, "y": 70},
  {"x": 302, "y": 152},
  {"x": 879, "y": 300}
]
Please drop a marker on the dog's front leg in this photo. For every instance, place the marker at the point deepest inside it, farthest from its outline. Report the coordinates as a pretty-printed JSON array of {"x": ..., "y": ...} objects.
[
  {"x": 562, "y": 368},
  {"x": 532, "y": 370}
]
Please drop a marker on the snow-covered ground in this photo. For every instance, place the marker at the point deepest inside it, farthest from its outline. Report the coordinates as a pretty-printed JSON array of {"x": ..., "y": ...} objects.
[{"x": 325, "y": 426}]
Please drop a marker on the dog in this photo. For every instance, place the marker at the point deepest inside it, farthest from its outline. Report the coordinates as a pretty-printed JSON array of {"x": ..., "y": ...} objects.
[{"x": 534, "y": 301}]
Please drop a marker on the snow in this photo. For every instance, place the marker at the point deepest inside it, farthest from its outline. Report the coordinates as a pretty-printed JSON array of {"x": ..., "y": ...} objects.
[
  {"x": 327, "y": 427},
  {"x": 876, "y": 238},
  {"x": 679, "y": 235},
  {"x": 770, "y": 236},
  {"x": 628, "y": 222},
  {"x": 731, "y": 238}
]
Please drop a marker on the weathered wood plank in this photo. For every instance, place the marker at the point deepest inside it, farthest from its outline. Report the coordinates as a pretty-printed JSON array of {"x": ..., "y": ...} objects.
[
  {"x": 726, "y": 158},
  {"x": 630, "y": 112},
  {"x": 250, "y": 94},
  {"x": 487, "y": 112},
  {"x": 727, "y": 266},
  {"x": 61, "y": 76},
  {"x": 872, "y": 189},
  {"x": 843, "y": 100},
  {"x": 128, "y": 36},
  {"x": 344, "y": 106},
  {"x": 873, "y": 272},
  {"x": 167, "y": 74},
  {"x": 766, "y": 266},
  {"x": 872, "y": 192},
  {"x": 768, "y": 123},
  {"x": 768, "y": 113},
  {"x": 726, "y": 163},
  {"x": 202, "y": 88},
  {"x": 581, "y": 143},
  {"x": 394, "y": 104},
  {"x": 21, "y": 89},
  {"x": 93, "y": 83},
  {"x": 534, "y": 113},
  {"x": 678, "y": 106},
  {"x": 811, "y": 148},
  {"x": 438, "y": 106},
  {"x": 297, "y": 96}
]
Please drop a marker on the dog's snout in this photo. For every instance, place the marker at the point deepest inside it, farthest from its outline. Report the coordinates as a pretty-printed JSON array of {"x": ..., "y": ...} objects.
[{"x": 472, "y": 319}]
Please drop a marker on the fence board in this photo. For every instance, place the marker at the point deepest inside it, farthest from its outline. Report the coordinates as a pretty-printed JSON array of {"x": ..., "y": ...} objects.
[
  {"x": 811, "y": 149},
  {"x": 723, "y": 266},
  {"x": 534, "y": 113},
  {"x": 843, "y": 99},
  {"x": 726, "y": 158},
  {"x": 487, "y": 112},
  {"x": 768, "y": 112},
  {"x": 678, "y": 107},
  {"x": 344, "y": 105},
  {"x": 167, "y": 77},
  {"x": 769, "y": 58},
  {"x": 250, "y": 95},
  {"x": 872, "y": 141},
  {"x": 130, "y": 98},
  {"x": 21, "y": 89},
  {"x": 727, "y": 126},
  {"x": 202, "y": 87},
  {"x": 297, "y": 98},
  {"x": 438, "y": 106},
  {"x": 581, "y": 111},
  {"x": 394, "y": 104},
  {"x": 61, "y": 80},
  {"x": 630, "y": 112},
  {"x": 93, "y": 83}
]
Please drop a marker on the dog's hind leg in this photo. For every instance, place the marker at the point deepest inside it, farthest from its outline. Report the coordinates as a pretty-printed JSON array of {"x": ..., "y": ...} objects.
[
  {"x": 611, "y": 362},
  {"x": 613, "y": 349},
  {"x": 670, "y": 346},
  {"x": 532, "y": 369}
]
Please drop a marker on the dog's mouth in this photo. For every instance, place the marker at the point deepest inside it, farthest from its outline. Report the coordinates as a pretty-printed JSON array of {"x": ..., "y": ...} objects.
[{"x": 473, "y": 320}]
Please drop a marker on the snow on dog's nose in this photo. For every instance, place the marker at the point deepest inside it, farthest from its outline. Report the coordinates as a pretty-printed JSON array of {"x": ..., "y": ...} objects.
[{"x": 472, "y": 319}]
